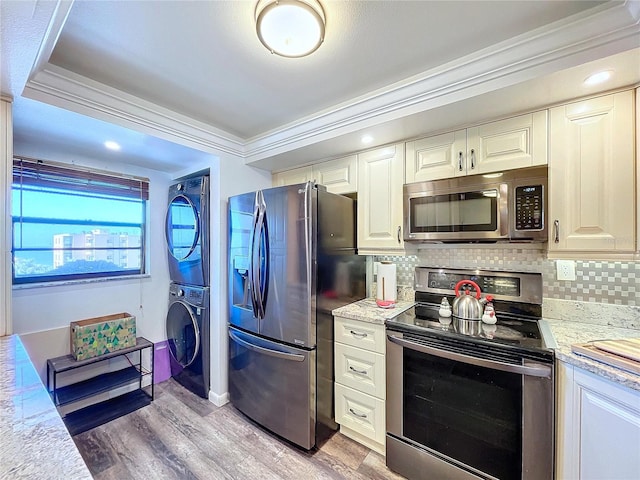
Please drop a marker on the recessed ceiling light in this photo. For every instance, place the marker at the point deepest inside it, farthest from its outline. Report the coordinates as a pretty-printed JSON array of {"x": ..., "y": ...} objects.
[
  {"x": 111, "y": 145},
  {"x": 492, "y": 175},
  {"x": 598, "y": 77},
  {"x": 366, "y": 139}
]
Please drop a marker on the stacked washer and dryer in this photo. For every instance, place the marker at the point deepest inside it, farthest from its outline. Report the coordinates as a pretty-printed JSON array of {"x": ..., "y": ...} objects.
[{"x": 187, "y": 326}]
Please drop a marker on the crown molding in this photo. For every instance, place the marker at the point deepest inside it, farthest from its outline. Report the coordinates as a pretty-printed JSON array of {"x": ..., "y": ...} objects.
[
  {"x": 604, "y": 30},
  {"x": 65, "y": 89},
  {"x": 562, "y": 44}
]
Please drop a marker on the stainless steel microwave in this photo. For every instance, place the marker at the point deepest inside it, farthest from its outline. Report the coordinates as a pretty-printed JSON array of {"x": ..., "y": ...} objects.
[{"x": 506, "y": 206}]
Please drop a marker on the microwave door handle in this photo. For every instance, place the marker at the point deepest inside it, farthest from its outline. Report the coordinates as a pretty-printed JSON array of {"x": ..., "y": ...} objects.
[{"x": 533, "y": 370}]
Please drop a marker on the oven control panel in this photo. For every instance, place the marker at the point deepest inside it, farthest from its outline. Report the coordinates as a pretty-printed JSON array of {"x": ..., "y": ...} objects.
[{"x": 511, "y": 286}]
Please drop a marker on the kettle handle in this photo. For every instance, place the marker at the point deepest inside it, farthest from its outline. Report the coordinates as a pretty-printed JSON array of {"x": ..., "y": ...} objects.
[{"x": 469, "y": 282}]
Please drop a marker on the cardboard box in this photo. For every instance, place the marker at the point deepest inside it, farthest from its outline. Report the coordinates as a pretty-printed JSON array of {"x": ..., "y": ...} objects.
[{"x": 96, "y": 336}]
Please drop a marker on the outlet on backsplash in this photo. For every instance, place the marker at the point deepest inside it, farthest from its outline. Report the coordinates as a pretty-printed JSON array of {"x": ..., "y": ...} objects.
[{"x": 566, "y": 270}]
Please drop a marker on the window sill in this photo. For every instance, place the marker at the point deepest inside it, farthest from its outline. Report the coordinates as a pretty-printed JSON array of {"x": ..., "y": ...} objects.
[{"x": 62, "y": 283}]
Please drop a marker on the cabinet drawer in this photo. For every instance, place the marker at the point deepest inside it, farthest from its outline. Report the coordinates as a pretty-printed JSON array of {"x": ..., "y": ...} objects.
[
  {"x": 368, "y": 336},
  {"x": 360, "y": 369},
  {"x": 360, "y": 412}
]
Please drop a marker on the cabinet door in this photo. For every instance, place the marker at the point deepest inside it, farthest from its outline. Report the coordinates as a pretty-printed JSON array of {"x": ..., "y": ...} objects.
[
  {"x": 361, "y": 413},
  {"x": 507, "y": 144},
  {"x": 339, "y": 176},
  {"x": 291, "y": 177},
  {"x": 360, "y": 369},
  {"x": 432, "y": 158},
  {"x": 380, "y": 180},
  {"x": 591, "y": 175},
  {"x": 599, "y": 427},
  {"x": 365, "y": 335}
]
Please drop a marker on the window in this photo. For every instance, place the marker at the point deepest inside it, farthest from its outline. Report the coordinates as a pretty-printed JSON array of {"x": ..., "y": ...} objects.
[{"x": 73, "y": 223}]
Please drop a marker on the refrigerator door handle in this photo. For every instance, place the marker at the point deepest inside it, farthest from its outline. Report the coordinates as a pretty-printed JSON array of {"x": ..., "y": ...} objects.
[
  {"x": 263, "y": 256},
  {"x": 266, "y": 351},
  {"x": 307, "y": 235},
  {"x": 252, "y": 256}
]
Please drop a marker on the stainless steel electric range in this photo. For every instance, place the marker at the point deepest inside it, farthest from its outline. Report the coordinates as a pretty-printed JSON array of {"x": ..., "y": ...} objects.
[{"x": 465, "y": 398}]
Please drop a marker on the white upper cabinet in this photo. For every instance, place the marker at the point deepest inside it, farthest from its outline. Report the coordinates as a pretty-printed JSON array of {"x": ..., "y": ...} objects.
[
  {"x": 291, "y": 177},
  {"x": 434, "y": 157},
  {"x": 339, "y": 176},
  {"x": 503, "y": 145},
  {"x": 380, "y": 181},
  {"x": 592, "y": 205}
]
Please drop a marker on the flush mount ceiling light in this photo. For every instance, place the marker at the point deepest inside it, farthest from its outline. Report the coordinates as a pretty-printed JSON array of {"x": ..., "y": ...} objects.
[
  {"x": 598, "y": 77},
  {"x": 290, "y": 28}
]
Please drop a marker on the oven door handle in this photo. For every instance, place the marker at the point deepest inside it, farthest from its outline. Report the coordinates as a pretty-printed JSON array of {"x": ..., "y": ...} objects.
[{"x": 533, "y": 370}]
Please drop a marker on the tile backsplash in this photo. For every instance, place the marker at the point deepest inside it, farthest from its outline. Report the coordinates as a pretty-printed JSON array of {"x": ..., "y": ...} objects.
[{"x": 615, "y": 283}]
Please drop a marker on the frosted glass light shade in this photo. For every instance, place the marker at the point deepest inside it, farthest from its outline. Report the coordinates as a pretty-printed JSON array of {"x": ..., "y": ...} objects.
[{"x": 290, "y": 28}]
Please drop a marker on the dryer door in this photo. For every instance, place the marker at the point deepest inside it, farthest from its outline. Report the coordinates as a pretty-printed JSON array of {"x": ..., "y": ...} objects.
[
  {"x": 183, "y": 334},
  {"x": 182, "y": 228}
]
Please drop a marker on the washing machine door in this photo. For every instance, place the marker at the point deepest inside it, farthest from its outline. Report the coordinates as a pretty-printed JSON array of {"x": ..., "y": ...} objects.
[
  {"x": 182, "y": 228},
  {"x": 183, "y": 334}
]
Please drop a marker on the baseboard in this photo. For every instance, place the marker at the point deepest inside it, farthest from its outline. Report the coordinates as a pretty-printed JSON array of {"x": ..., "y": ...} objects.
[{"x": 218, "y": 400}]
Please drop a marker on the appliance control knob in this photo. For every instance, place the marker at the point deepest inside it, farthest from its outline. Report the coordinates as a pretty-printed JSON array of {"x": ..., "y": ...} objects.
[
  {"x": 180, "y": 187},
  {"x": 181, "y": 293}
]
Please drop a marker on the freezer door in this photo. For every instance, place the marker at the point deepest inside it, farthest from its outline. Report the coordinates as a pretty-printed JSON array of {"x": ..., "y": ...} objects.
[
  {"x": 274, "y": 385},
  {"x": 288, "y": 297}
]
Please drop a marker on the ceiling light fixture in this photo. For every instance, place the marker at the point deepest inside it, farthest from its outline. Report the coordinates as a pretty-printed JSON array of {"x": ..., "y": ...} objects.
[
  {"x": 366, "y": 139},
  {"x": 599, "y": 77},
  {"x": 111, "y": 145},
  {"x": 290, "y": 28}
]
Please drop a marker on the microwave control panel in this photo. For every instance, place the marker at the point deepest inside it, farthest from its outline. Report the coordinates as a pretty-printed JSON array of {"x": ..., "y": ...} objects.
[{"x": 529, "y": 205}]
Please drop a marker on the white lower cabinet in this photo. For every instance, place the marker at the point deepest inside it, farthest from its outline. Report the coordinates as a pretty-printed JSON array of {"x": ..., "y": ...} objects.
[
  {"x": 598, "y": 435},
  {"x": 360, "y": 382}
]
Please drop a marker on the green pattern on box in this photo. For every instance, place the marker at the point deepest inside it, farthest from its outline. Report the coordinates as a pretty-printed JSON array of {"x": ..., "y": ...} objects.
[{"x": 94, "y": 337}]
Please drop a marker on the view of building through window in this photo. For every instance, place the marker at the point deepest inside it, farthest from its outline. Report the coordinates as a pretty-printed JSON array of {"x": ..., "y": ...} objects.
[{"x": 69, "y": 224}]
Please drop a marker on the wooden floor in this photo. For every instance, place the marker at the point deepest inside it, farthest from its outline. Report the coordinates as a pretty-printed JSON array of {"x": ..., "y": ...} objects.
[{"x": 182, "y": 436}]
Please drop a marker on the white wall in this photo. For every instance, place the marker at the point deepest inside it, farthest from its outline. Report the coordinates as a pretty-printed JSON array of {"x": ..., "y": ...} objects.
[{"x": 50, "y": 307}]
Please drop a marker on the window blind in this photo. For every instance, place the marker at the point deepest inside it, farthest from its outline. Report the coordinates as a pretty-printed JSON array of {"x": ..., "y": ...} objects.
[{"x": 41, "y": 173}]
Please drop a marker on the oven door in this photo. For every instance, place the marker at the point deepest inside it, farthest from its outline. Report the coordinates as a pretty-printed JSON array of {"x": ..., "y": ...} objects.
[
  {"x": 453, "y": 415},
  {"x": 458, "y": 214}
]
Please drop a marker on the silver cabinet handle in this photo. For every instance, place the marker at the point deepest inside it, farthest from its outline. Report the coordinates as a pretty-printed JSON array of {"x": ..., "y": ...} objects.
[
  {"x": 358, "y": 334},
  {"x": 556, "y": 231},
  {"x": 473, "y": 159},
  {"x": 360, "y": 415},
  {"x": 399, "y": 231},
  {"x": 354, "y": 370},
  {"x": 460, "y": 160}
]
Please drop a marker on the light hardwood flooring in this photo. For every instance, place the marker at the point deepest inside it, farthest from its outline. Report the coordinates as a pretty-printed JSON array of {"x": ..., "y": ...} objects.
[{"x": 182, "y": 436}]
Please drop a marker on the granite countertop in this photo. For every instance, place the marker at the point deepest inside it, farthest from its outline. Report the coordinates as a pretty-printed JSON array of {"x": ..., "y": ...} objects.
[
  {"x": 567, "y": 333},
  {"x": 35, "y": 442},
  {"x": 368, "y": 311}
]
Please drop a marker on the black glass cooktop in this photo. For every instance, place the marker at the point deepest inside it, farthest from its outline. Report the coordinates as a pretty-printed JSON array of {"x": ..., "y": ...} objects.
[{"x": 508, "y": 330}]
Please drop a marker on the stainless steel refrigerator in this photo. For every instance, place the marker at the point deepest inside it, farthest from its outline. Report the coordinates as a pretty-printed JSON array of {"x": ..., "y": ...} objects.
[{"x": 292, "y": 259}]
